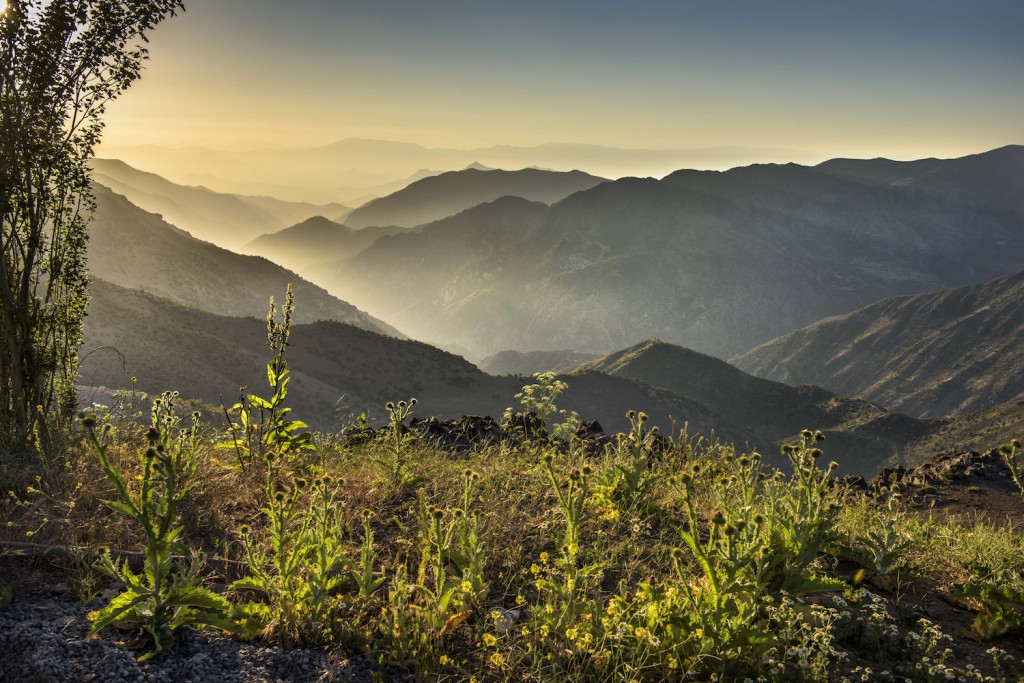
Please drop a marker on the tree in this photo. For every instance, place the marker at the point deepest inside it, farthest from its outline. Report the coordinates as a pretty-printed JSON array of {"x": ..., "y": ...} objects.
[{"x": 61, "y": 62}]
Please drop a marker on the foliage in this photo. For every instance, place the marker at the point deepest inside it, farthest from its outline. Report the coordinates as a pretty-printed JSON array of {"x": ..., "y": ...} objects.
[
  {"x": 538, "y": 406},
  {"x": 884, "y": 541},
  {"x": 394, "y": 446},
  {"x": 1001, "y": 608},
  {"x": 263, "y": 431},
  {"x": 166, "y": 596},
  {"x": 60, "y": 64},
  {"x": 297, "y": 568},
  {"x": 1008, "y": 452},
  {"x": 501, "y": 565},
  {"x": 628, "y": 477}
]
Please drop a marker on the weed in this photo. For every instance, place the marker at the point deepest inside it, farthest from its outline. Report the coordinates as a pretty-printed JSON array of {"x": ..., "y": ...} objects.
[
  {"x": 1008, "y": 452},
  {"x": 166, "y": 596},
  {"x": 392, "y": 453},
  {"x": 263, "y": 430}
]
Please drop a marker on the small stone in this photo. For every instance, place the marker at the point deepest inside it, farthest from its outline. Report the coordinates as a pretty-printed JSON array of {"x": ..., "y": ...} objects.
[{"x": 59, "y": 588}]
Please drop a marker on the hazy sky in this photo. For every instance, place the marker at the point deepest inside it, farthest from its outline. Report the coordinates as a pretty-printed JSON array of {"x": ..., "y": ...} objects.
[{"x": 852, "y": 77}]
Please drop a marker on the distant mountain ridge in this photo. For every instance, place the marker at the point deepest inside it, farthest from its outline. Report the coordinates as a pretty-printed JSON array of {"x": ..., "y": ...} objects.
[
  {"x": 347, "y": 169},
  {"x": 443, "y": 195},
  {"x": 133, "y": 248},
  {"x": 315, "y": 240},
  {"x": 715, "y": 261},
  {"x": 225, "y": 219},
  {"x": 528, "y": 363},
  {"x": 952, "y": 351}
]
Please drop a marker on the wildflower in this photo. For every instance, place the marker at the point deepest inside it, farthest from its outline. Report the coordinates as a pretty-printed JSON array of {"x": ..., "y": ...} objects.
[
  {"x": 444, "y": 661},
  {"x": 497, "y": 659},
  {"x": 490, "y": 640}
]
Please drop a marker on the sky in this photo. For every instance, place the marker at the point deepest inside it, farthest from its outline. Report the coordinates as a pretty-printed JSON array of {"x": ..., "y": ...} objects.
[{"x": 897, "y": 78}]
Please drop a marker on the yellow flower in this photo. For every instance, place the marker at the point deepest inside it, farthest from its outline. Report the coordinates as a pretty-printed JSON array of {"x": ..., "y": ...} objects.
[
  {"x": 490, "y": 640},
  {"x": 544, "y": 631},
  {"x": 571, "y": 634},
  {"x": 497, "y": 659},
  {"x": 467, "y": 587},
  {"x": 544, "y": 557},
  {"x": 520, "y": 600},
  {"x": 574, "y": 549},
  {"x": 444, "y": 660},
  {"x": 534, "y": 569}
]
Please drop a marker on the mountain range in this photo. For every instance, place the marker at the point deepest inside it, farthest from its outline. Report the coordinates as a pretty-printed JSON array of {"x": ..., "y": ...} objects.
[
  {"x": 339, "y": 371},
  {"x": 953, "y": 351},
  {"x": 314, "y": 241},
  {"x": 228, "y": 220},
  {"x": 714, "y": 261},
  {"x": 529, "y": 363},
  {"x": 440, "y": 196},
  {"x": 350, "y": 169},
  {"x": 133, "y": 248}
]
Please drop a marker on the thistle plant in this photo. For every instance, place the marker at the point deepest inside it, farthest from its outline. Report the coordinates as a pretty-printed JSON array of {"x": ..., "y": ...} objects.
[
  {"x": 364, "y": 575},
  {"x": 392, "y": 453},
  {"x": 467, "y": 550},
  {"x": 806, "y": 510},
  {"x": 563, "y": 584},
  {"x": 627, "y": 480},
  {"x": 298, "y": 567},
  {"x": 885, "y": 543},
  {"x": 1008, "y": 453},
  {"x": 167, "y": 595},
  {"x": 263, "y": 432},
  {"x": 419, "y": 617}
]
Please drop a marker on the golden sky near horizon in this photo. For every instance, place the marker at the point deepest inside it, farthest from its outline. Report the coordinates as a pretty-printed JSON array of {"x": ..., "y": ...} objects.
[{"x": 908, "y": 79}]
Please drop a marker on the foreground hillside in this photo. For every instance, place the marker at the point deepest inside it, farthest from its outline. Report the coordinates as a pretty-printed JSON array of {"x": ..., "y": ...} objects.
[
  {"x": 714, "y": 261},
  {"x": 136, "y": 249},
  {"x": 952, "y": 351},
  {"x": 389, "y": 556}
]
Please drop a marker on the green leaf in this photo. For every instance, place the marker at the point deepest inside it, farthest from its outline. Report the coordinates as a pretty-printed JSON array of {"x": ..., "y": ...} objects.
[{"x": 250, "y": 583}]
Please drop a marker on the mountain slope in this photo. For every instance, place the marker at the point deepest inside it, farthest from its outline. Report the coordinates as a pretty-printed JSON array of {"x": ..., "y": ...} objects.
[
  {"x": 773, "y": 410},
  {"x": 224, "y": 219},
  {"x": 338, "y": 370},
  {"x": 952, "y": 351},
  {"x": 315, "y": 240},
  {"x": 528, "y": 363},
  {"x": 443, "y": 195},
  {"x": 718, "y": 262},
  {"x": 133, "y": 248}
]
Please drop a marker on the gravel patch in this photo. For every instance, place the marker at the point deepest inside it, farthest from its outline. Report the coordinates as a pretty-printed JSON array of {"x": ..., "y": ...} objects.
[{"x": 46, "y": 638}]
